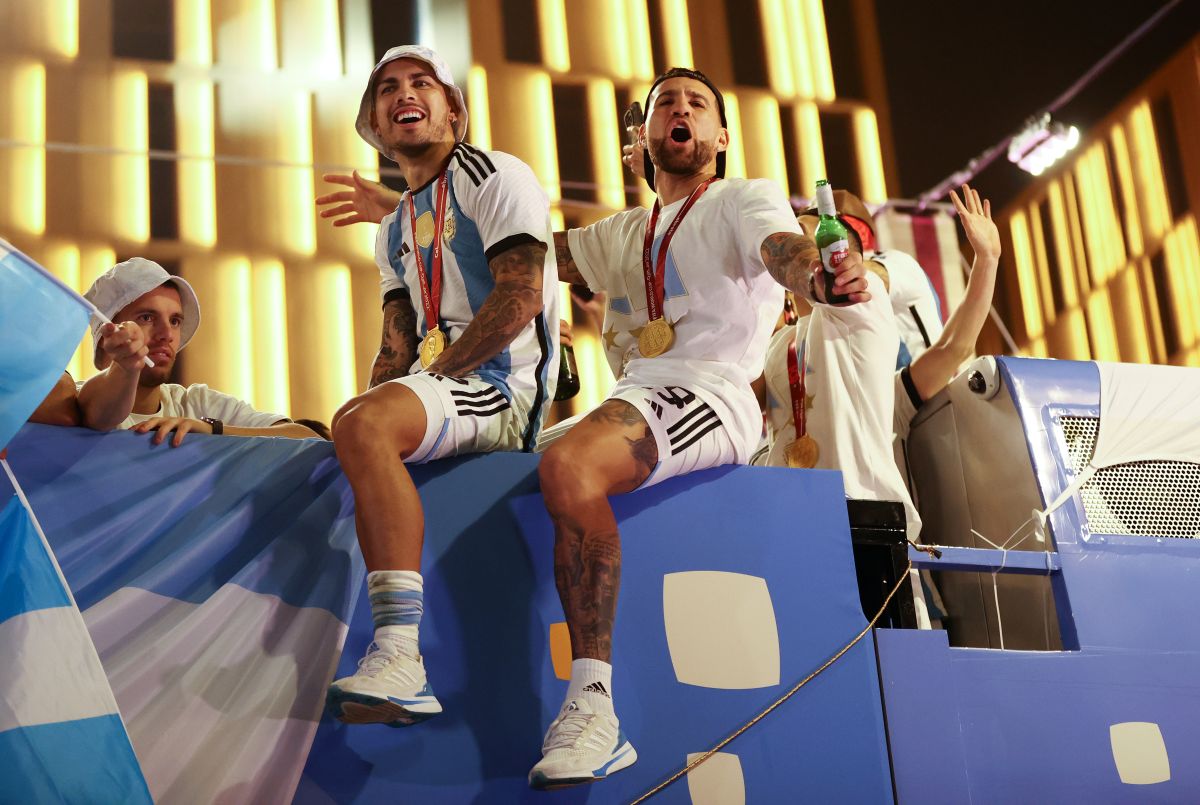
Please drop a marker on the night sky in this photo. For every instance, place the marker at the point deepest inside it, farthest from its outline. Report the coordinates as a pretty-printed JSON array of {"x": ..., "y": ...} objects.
[{"x": 962, "y": 75}]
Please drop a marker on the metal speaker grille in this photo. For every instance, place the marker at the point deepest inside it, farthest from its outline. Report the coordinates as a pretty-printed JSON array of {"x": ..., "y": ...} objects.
[{"x": 1142, "y": 498}]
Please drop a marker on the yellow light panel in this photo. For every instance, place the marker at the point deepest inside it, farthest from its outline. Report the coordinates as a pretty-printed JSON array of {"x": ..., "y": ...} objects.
[
  {"x": 271, "y": 384},
  {"x": 638, "y": 27},
  {"x": 193, "y": 32},
  {"x": 1062, "y": 244},
  {"x": 822, "y": 68},
  {"x": 540, "y": 107},
  {"x": 230, "y": 317},
  {"x": 1133, "y": 227},
  {"x": 812, "y": 149},
  {"x": 297, "y": 141},
  {"x": 194, "y": 117},
  {"x": 565, "y": 309},
  {"x": 552, "y": 20},
  {"x": 677, "y": 32},
  {"x": 1041, "y": 265},
  {"x": 606, "y": 143},
  {"x": 557, "y": 222},
  {"x": 870, "y": 158},
  {"x": 798, "y": 50},
  {"x": 779, "y": 57},
  {"x": 26, "y": 182},
  {"x": 1129, "y": 316},
  {"x": 63, "y": 262},
  {"x": 1102, "y": 327},
  {"x": 735, "y": 157},
  {"x": 1077, "y": 246},
  {"x": 764, "y": 154},
  {"x": 1155, "y": 209},
  {"x": 336, "y": 354},
  {"x": 1182, "y": 251},
  {"x": 479, "y": 119},
  {"x": 614, "y": 22},
  {"x": 62, "y": 23},
  {"x": 130, "y": 211},
  {"x": 595, "y": 376},
  {"x": 1026, "y": 276}
]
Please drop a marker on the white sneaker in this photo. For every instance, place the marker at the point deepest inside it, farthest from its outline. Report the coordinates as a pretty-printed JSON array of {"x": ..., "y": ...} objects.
[
  {"x": 581, "y": 746},
  {"x": 389, "y": 687}
]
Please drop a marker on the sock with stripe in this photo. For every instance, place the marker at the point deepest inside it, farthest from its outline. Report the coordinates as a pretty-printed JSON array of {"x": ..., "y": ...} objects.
[
  {"x": 397, "y": 603},
  {"x": 591, "y": 680}
]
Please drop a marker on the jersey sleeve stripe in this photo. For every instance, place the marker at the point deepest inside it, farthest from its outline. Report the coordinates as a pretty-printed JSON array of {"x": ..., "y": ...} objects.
[
  {"x": 482, "y": 155},
  {"x": 462, "y": 163}
]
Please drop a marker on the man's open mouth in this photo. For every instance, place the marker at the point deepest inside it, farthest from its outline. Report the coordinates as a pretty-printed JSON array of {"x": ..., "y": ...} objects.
[
  {"x": 408, "y": 115},
  {"x": 681, "y": 134}
]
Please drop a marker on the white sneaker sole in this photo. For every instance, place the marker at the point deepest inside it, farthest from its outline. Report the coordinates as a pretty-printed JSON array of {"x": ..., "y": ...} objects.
[
  {"x": 622, "y": 757},
  {"x": 360, "y": 708}
]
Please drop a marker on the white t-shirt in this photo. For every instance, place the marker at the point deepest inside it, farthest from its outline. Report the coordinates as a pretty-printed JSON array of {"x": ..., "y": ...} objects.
[
  {"x": 717, "y": 293},
  {"x": 848, "y": 353},
  {"x": 915, "y": 303},
  {"x": 494, "y": 203},
  {"x": 197, "y": 401}
]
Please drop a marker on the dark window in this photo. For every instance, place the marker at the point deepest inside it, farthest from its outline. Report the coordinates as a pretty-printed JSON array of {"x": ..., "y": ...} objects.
[
  {"x": 1168, "y": 151},
  {"x": 843, "y": 49},
  {"x": 658, "y": 36},
  {"x": 164, "y": 176},
  {"x": 522, "y": 34},
  {"x": 746, "y": 44},
  {"x": 1118, "y": 190},
  {"x": 143, "y": 29},
  {"x": 574, "y": 143},
  {"x": 1052, "y": 264},
  {"x": 841, "y": 167},
  {"x": 1166, "y": 311},
  {"x": 393, "y": 22}
]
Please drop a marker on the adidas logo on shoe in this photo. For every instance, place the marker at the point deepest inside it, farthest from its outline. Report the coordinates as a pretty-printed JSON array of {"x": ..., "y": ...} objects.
[{"x": 596, "y": 687}]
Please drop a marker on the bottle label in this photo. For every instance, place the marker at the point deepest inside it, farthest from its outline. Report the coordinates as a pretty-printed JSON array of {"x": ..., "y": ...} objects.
[{"x": 834, "y": 253}]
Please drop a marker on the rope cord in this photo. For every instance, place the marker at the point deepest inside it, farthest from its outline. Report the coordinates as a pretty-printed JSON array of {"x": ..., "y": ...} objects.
[{"x": 689, "y": 767}]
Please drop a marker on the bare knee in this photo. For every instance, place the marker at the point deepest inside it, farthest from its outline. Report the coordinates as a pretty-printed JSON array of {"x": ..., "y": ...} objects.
[{"x": 565, "y": 481}]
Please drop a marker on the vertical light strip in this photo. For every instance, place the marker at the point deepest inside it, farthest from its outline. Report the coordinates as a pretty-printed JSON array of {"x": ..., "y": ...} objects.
[
  {"x": 1154, "y": 206},
  {"x": 870, "y": 158},
  {"x": 798, "y": 50},
  {"x": 268, "y": 34},
  {"x": 1037, "y": 243},
  {"x": 595, "y": 375},
  {"x": 193, "y": 32},
  {"x": 235, "y": 352},
  {"x": 61, "y": 22},
  {"x": 552, "y": 22},
  {"x": 735, "y": 157},
  {"x": 615, "y": 27},
  {"x": 1181, "y": 247},
  {"x": 606, "y": 143},
  {"x": 271, "y": 384},
  {"x": 1129, "y": 316},
  {"x": 676, "y": 33},
  {"x": 1110, "y": 227},
  {"x": 130, "y": 212},
  {"x": 297, "y": 138},
  {"x": 565, "y": 303},
  {"x": 641, "y": 55},
  {"x": 1070, "y": 199},
  {"x": 1101, "y": 327},
  {"x": 1027, "y": 282},
  {"x": 26, "y": 113},
  {"x": 779, "y": 57},
  {"x": 336, "y": 355},
  {"x": 194, "y": 117},
  {"x": 1062, "y": 245},
  {"x": 822, "y": 68},
  {"x": 479, "y": 119},
  {"x": 812, "y": 149},
  {"x": 764, "y": 152},
  {"x": 540, "y": 104},
  {"x": 63, "y": 261},
  {"x": 1133, "y": 228}
]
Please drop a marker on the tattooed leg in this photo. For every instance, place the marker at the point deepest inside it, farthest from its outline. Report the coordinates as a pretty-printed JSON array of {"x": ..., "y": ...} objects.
[{"x": 610, "y": 452}]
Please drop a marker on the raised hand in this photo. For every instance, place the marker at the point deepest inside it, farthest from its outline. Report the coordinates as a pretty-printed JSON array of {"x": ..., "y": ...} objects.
[
  {"x": 850, "y": 280},
  {"x": 976, "y": 219},
  {"x": 124, "y": 344},
  {"x": 631, "y": 155},
  {"x": 365, "y": 202}
]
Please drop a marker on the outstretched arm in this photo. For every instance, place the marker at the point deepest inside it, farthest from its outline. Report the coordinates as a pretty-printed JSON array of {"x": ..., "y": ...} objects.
[
  {"x": 398, "y": 347},
  {"x": 935, "y": 367},
  {"x": 107, "y": 398},
  {"x": 512, "y": 304},
  {"x": 567, "y": 270},
  {"x": 793, "y": 260},
  {"x": 364, "y": 202}
]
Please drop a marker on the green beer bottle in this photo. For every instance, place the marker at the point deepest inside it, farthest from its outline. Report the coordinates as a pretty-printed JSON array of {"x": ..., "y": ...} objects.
[{"x": 832, "y": 239}]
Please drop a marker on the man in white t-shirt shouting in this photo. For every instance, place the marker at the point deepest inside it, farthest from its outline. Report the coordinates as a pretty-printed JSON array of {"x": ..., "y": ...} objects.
[
  {"x": 158, "y": 315},
  {"x": 694, "y": 290}
]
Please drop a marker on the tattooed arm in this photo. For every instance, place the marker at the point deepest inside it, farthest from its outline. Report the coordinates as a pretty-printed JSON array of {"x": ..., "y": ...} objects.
[
  {"x": 398, "y": 349},
  {"x": 567, "y": 270},
  {"x": 511, "y": 305},
  {"x": 793, "y": 260}
]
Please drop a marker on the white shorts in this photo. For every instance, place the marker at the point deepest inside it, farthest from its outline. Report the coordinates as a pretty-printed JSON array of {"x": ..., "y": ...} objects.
[
  {"x": 463, "y": 415},
  {"x": 687, "y": 431}
]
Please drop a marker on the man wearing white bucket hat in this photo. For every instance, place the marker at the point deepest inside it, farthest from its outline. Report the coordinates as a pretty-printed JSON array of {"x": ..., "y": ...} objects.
[
  {"x": 158, "y": 315},
  {"x": 468, "y": 360}
]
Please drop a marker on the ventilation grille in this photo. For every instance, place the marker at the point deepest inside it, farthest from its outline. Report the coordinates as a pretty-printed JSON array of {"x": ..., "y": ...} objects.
[{"x": 1142, "y": 498}]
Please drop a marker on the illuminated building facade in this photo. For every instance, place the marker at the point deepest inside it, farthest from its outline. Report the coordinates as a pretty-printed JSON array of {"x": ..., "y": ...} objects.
[
  {"x": 195, "y": 133},
  {"x": 1102, "y": 257}
]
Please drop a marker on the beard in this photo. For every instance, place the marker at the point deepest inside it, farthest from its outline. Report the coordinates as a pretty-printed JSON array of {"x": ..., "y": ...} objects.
[
  {"x": 683, "y": 163},
  {"x": 153, "y": 378},
  {"x": 414, "y": 148}
]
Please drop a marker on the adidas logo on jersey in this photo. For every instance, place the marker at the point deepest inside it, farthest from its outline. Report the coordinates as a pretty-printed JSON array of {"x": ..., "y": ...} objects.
[{"x": 596, "y": 687}]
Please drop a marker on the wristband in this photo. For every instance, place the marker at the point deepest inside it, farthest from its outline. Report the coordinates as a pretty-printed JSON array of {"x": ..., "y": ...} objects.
[{"x": 218, "y": 427}]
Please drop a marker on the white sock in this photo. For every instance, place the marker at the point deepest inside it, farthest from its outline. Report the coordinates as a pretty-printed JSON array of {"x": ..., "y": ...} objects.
[
  {"x": 591, "y": 680},
  {"x": 397, "y": 603}
]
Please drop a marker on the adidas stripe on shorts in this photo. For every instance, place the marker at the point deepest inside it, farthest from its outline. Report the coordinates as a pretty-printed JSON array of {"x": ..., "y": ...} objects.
[
  {"x": 463, "y": 415},
  {"x": 687, "y": 431}
]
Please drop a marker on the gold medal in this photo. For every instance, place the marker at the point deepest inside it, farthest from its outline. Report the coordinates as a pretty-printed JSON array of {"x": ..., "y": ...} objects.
[
  {"x": 432, "y": 346},
  {"x": 424, "y": 230},
  {"x": 656, "y": 338},
  {"x": 802, "y": 453}
]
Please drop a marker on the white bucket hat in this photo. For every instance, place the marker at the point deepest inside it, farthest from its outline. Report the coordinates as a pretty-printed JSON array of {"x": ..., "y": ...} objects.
[
  {"x": 125, "y": 282},
  {"x": 441, "y": 72}
]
